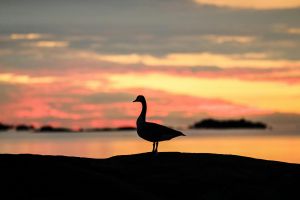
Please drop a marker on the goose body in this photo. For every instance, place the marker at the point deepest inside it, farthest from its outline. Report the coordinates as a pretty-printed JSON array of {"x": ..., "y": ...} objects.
[{"x": 153, "y": 132}]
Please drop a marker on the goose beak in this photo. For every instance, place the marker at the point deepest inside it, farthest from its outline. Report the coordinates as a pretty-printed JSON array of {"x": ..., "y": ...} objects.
[{"x": 134, "y": 101}]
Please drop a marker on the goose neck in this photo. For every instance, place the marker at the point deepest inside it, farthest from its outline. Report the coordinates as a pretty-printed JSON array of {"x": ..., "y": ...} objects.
[{"x": 142, "y": 117}]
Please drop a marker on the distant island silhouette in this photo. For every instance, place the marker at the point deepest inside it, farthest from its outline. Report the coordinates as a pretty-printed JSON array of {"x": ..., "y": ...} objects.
[
  {"x": 208, "y": 123},
  {"x": 49, "y": 128},
  {"x": 5, "y": 127},
  {"x": 228, "y": 124},
  {"x": 122, "y": 128},
  {"x": 24, "y": 127}
]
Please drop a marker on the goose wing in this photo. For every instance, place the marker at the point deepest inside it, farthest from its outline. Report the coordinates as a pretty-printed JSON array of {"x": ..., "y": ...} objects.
[{"x": 162, "y": 132}]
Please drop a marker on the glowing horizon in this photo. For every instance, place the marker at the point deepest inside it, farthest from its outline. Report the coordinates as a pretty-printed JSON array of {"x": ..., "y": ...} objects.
[{"x": 224, "y": 59}]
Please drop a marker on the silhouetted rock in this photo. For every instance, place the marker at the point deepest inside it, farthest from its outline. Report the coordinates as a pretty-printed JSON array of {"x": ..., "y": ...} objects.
[
  {"x": 147, "y": 176},
  {"x": 226, "y": 124},
  {"x": 49, "y": 128},
  {"x": 5, "y": 127},
  {"x": 24, "y": 127}
]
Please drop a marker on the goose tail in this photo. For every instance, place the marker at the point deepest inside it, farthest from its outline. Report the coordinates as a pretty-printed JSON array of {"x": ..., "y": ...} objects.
[{"x": 179, "y": 133}]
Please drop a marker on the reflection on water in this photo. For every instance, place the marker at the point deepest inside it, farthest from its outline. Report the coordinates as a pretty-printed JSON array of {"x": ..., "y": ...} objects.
[{"x": 259, "y": 144}]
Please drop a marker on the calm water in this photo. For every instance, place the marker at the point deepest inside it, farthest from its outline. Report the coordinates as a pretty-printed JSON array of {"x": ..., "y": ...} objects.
[{"x": 259, "y": 144}]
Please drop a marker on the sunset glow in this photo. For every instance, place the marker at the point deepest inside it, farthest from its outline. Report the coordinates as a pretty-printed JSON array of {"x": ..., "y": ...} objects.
[{"x": 191, "y": 59}]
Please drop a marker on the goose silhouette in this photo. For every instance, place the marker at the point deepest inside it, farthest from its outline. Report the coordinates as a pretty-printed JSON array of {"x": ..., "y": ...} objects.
[{"x": 153, "y": 132}]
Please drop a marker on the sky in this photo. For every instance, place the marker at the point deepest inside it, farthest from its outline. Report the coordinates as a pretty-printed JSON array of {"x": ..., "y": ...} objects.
[{"x": 81, "y": 63}]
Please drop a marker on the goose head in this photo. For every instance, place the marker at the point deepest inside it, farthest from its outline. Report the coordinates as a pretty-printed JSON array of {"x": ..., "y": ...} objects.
[{"x": 140, "y": 98}]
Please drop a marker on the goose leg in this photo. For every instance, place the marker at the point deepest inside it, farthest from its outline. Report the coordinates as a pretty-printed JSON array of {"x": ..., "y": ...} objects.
[
  {"x": 156, "y": 149},
  {"x": 153, "y": 149}
]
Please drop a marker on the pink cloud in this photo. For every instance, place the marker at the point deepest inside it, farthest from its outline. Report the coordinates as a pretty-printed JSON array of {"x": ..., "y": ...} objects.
[{"x": 60, "y": 105}]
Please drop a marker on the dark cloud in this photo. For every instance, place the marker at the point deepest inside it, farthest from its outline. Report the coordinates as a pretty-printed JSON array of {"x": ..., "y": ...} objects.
[
  {"x": 181, "y": 119},
  {"x": 106, "y": 98},
  {"x": 147, "y": 27},
  {"x": 120, "y": 19},
  {"x": 116, "y": 114},
  {"x": 8, "y": 93}
]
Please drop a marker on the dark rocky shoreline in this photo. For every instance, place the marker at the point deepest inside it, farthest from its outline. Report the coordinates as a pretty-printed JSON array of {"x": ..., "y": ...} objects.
[{"x": 147, "y": 176}]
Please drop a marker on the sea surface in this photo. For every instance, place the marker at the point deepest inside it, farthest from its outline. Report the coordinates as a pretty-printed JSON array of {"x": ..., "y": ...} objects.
[{"x": 266, "y": 144}]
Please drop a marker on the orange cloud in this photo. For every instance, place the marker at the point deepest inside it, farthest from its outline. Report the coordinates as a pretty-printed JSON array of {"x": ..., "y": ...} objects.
[
  {"x": 295, "y": 31},
  {"x": 259, "y": 94},
  {"x": 220, "y": 39},
  {"x": 254, "y": 4},
  {"x": 26, "y": 36},
  {"x": 164, "y": 103},
  {"x": 249, "y": 60},
  {"x": 49, "y": 44},
  {"x": 283, "y": 75},
  {"x": 24, "y": 79}
]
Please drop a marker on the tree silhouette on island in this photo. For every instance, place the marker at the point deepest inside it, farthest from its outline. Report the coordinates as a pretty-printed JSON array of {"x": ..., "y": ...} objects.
[
  {"x": 5, "y": 127},
  {"x": 228, "y": 124}
]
